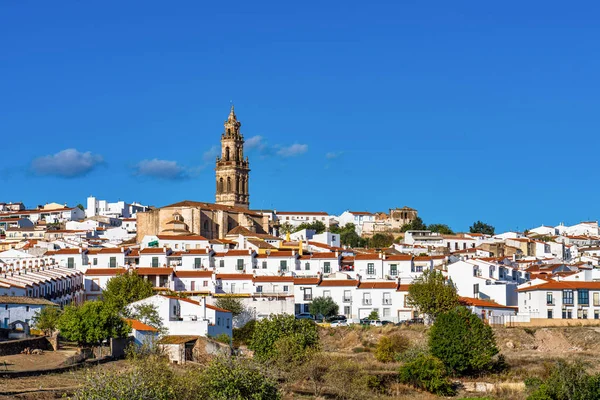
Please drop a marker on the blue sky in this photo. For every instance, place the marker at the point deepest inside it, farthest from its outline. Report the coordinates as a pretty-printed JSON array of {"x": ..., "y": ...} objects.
[{"x": 463, "y": 110}]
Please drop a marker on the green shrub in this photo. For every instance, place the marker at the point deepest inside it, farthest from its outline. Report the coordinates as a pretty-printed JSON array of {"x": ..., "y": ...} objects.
[
  {"x": 428, "y": 373},
  {"x": 223, "y": 338},
  {"x": 269, "y": 330},
  {"x": 566, "y": 381},
  {"x": 463, "y": 342},
  {"x": 243, "y": 335},
  {"x": 390, "y": 346}
]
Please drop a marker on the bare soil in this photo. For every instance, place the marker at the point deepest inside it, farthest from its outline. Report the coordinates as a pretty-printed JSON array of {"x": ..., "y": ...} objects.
[{"x": 529, "y": 352}]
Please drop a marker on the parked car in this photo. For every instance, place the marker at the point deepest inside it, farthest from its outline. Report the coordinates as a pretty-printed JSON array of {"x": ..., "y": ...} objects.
[
  {"x": 339, "y": 322},
  {"x": 375, "y": 322},
  {"x": 305, "y": 316},
  {"x": 337, "y": 318},
  {"x": 365, "y": 321},
  {"x": 415, "y": 321},
  {"x": 384, "y": 323}
]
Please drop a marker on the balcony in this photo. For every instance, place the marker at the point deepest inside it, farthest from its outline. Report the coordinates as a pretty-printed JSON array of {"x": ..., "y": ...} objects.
[
  {"x": 347, "y": 299},
  {"x": 550, "y": 303},
  {"x": 308, "y": 297},
  {"x": 387, "y": 301},
  {"x": 367, "y": 302}
]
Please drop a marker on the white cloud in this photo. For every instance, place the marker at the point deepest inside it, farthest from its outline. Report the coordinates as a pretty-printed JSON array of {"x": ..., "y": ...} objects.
[
  {"x": 211, "y": 154},
  {"x": 255, "y": 142},
  {"x": 161, "y": 169},
  {"x": 68, "y": 163},
  {"x": 333, "y": 154},
  {"x": 293, "y": 150}
]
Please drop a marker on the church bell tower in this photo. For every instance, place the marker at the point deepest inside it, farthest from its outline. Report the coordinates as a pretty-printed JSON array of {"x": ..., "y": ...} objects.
[{"x": 232, "y": 169}]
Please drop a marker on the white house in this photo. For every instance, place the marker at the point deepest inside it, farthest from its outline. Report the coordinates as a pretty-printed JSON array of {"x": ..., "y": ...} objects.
[
  {"x": 18, "y": 308},
  {"x": 116, "y": 210},
  {"x": 185, "y": 317},
  {"x": 544, "y": 301},
  {"x": 296, "y": 218},
  {"x": 358, "y": 218},
  {"x": 485, "y": 280}
]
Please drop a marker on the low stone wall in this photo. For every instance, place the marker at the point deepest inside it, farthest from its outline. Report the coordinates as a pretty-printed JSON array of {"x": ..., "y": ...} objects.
[{"x": 11, "y": 347}]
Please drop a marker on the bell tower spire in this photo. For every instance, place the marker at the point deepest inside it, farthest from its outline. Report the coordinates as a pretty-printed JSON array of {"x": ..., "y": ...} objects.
[{"x": 232, "y": 170}]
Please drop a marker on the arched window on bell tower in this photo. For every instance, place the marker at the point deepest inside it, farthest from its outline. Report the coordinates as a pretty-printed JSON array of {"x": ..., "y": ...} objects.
[
  {"x": 226, "y": 153},
  {"x": 220, "y": 185},
  {"x": 228, "y": 184}
]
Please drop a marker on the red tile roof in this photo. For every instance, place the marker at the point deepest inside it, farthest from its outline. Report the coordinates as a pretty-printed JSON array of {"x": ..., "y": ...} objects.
[
  {"x": 306, "y": 281},
  {"x": 470, "y": 301},
  {"x": 378, "y": 285},
  {"x": 338, "y": 282},
  {"x": 273, "y": 279},
  {"x": 105, "y": 271},
  {"x": 140, "y": 326},
  {"x": 562, "y": 285},
  {"x": 154, "y": 250},
  {"x": 234, "y": 276}
]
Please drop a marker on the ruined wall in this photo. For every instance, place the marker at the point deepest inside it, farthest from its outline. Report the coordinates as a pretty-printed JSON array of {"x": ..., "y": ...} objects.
[{"x": 11, "y": 347}]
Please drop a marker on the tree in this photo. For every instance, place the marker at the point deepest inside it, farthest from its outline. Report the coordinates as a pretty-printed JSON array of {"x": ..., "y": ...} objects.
[
  {"x": 389, "y": 347},
  {"x": 286, "y": 227},
  {"x": 323, "y": 306},
  {"x": 428, "y": 373},
  {"x": 125, "y": 289},
  {"x": 431, "y": 294},
  {"x": 91, "y": 323},
  {"x": 269, "y": 330},
  {"x": 381, "y": 240},
  {"x": 374, "y": 315},
  {"x": 81, "y": 207},
  {"x": 480, "y": 227},
  {"x": 148, "y": 314},
  {"x": 440, "y": 228},
  {"x": 463, "y": 342},
  {"x": 317, "y": 226},
  {"x": 232, "y": 304},
  {"x": 46, "y": 319},
  {"x": 416, "y": 224}
]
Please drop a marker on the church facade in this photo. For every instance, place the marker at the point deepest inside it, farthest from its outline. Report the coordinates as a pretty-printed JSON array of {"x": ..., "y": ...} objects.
[{"x": 231, "y": 208}]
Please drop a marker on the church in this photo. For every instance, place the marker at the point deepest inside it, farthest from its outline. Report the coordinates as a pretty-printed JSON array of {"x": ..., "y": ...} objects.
[{"x": 232, "y": 200}]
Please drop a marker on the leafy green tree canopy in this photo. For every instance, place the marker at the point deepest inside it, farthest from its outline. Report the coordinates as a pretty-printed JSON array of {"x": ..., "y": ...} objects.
[
  {"x": 431, "y": 294},
  {"x": 481, "y": 227},
  {"x": 91, "y": 323},
  {"x": 416, "y": 224},
  {"x": 315, "y": 226},
  {"x": 269, "y": 330},
  {"x": 440, "y": 228},
  {"x": 232, "y": 304},
  {"x": 374, "y": 315},
  {"x": 324, "y": 306},
  {"x": 125, "y": 289},
  {"x": 463, "y": 342},
  {"x": 46, "y": 319},
  {"x": 381, "y": 240}
]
